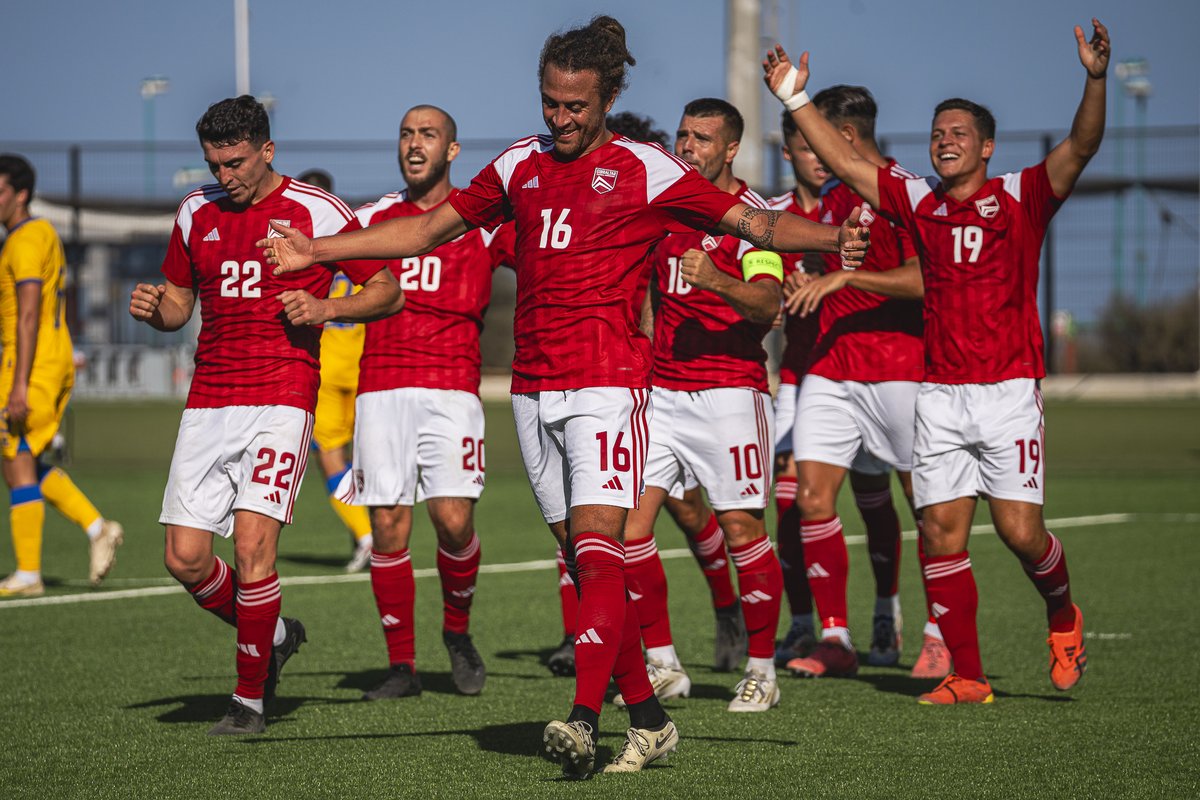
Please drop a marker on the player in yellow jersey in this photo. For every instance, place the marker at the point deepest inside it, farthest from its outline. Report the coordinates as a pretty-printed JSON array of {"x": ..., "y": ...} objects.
[
  {"x": 341, "y": 348},
  {"x": 37, "y": 373}
]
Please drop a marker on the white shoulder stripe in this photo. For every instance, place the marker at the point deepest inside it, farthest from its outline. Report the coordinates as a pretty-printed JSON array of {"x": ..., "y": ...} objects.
[
  {"x": 662, "y": 168},
  {"x": 367, "y": 211},
  {"x": 328, "y": 217},
  {"x": 192, "y": 203},
  {"x": 780, "y": 202},
  {"x": 506, "y": 163},
  {"x": 1012, "y": 185},
  {"x": 321, "y": 194},
  {"x": 918, "y": 188},
  {"x": 753, "y": 198}
]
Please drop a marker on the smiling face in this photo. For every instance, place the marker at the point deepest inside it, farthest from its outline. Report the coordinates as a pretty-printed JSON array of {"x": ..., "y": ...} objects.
[
  {"x": 573, "y": 110},
  {"x": 242, "y": 169},
  {"x": 704, "y": 143},
  {"x": 426, "y": 147},
  {"x": 958, "y": 148}
]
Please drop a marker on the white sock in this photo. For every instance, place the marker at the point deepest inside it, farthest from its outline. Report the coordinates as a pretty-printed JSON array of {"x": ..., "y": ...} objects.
[
  {"x": 841, "y": 635},
  {"x": 280, "y": 634},
  {"x": 253, "y": 705},
  {"x": 664, "y": 655},
  {"x": 932, "y": 629},
  {"x": 94, "y": 529},
  {"x": 28, "y": 575},
  {"x": 764, "y": 665},
  {"x": 888, "y": 606},
  {"x": 366, "y": 542}
]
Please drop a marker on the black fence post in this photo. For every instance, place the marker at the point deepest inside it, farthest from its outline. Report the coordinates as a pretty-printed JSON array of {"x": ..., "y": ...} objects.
[{"x": 76, "y": 193}]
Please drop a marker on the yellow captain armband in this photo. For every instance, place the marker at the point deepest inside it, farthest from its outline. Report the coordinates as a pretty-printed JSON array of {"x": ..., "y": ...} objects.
[{"x": 762, "y": 262}]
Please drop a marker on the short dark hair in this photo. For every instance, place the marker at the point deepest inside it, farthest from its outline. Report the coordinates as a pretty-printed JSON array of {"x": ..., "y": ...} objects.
[
  {"x": 598, "y": 46},
  {"x": 233, "y": 120},
  {"x": 19, "y": 172},
  {"x": 317, "y": 177},
  {"x": 451, "y": 125},
  {"x": 844, "y": 104},
  {"x": 637, "y": 127},
  {"x": 984, "y": 121},
  {"x": 716, "y": 107}
]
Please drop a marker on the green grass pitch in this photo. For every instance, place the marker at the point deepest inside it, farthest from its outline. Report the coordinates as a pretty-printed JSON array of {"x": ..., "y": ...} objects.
[{"x": 113, "y": 698}]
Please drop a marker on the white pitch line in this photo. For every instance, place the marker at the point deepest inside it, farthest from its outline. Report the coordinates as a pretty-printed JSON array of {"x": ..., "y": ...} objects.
[{"x": 520, "y": 566}]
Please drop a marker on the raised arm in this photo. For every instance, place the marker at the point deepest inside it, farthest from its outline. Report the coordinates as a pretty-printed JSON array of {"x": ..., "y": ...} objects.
[
  {"x": 787, "y": 82},
  {"x": 1066, "y": 161},
  {"x": 784, "y": 232},
  {"x": 395, "y": 238},
  {"x": 166, "y": 307}
]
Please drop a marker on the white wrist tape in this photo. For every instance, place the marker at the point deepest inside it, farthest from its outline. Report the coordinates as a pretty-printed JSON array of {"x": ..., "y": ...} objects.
[{"x": 791, "y": 100}]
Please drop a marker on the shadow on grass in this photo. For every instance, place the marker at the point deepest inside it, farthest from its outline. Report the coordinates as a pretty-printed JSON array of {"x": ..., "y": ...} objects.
[
  {"x": 311, "y": 560},
  {"x": 211, "y": 707},
  {"x": 540, "y": 656}
]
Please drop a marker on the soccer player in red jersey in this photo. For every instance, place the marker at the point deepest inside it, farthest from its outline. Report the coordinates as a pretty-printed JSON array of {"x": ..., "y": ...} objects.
[
  {"x": 980, "y": 424},
  {"x": 716, "y": 298},
  {"x": 588, "y": 208},
  {"x": 244, "y": 438},
  {"x": 419, "y": 430}
]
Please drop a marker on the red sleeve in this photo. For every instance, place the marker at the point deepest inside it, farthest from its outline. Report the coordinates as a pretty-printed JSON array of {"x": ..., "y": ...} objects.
[
  {"x": 904, "y": 243},
  {"x": 893, "y": 198},
  {"x": 483, "y": 204},
  {"x": 1037, "y": 195},
  {"x": 503, "y": 248},
  {"x": 695, "y": 202},
  {"x": 358, "y": 271},
  {"x": 177, "y": 266}
]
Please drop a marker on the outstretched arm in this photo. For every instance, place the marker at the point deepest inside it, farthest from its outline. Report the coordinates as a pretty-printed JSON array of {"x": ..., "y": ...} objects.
[
  {"x": 380, "y": 297},
  {"x": 784, "y": 232},
  {"x": 395, "y": 238},
  {"x": 787, "y": 82},
  {"x": 1066, "y": 161},
  {"x": 903, "y": 282}
]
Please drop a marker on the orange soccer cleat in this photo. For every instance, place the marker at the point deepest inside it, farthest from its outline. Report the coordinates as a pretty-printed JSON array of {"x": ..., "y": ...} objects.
[
  {"x": 1068, "y": 655},
  {"x": 955, "y": 690},
  {"x": 934, "y": 659}
]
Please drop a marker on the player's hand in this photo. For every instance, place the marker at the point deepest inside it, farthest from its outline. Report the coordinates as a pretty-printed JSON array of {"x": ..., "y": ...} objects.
[
  {"x": 290, "y": 251},
  {"x": 143, "y": 303},
  {"x": 1094, "y": 54},
  {"x": 17, "y": 410},
  {"x": 853, "y": 240},
  {"x": 782, "y": 77},
  {"x": 807, "y": 297},
  {"x": 698, "y": 270},
  {"x": 302, "y": 308}
]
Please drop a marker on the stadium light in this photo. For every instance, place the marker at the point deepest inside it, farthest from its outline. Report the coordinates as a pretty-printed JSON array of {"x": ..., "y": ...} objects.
[{"x": 152, "y": 87}]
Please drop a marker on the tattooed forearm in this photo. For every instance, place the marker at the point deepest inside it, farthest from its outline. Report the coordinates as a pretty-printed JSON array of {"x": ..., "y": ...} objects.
[{"x": 757, "y": 227}]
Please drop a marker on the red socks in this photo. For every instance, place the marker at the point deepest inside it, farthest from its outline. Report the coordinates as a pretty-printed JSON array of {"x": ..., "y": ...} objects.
[
  {"x": 257, "y": 611},
  {"x": 647, "y": 586},
  {"x": 394, "y": 588},
  {"x": 1050, "y": 577},
  {"x": 216, "y": 592},
  {"x": 709, "y": 549},
  {"x": 883, "y": 539},
  {"x": 458, "y": 571},
  {"x": 827, "y": 567},
  {"x": 954, "y": 600},
  {"x": 761, "y": 584},
  {"x": 629, "y": 670},
  {"x": 601, "y": 625},
  {"x": 568, "y": 596},
  {"x": 791, "y": 549}
]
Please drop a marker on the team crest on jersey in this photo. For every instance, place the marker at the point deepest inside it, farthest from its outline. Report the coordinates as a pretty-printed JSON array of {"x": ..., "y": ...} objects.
[
  {"x": 988, "y": 207},
  {"x": 604, "y": 180},
  {"x": 272, "y": 233},
  {"x": 710, "y": 243},
  {"x": 866, "y": 216}
]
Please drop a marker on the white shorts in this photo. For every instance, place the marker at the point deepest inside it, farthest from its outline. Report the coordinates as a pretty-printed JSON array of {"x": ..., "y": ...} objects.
[
  {"x": 247, "y": 458},
  {"x": 412, "y": 444},
  {"x": 835, "y": 419},
  {"x": 723, "y": 436},
  {"x": 785, "y": 416},
  {"x": 685, "y": 484},
  {"x": 583, "y": 446},
  {"x": 980, "y": 439}
]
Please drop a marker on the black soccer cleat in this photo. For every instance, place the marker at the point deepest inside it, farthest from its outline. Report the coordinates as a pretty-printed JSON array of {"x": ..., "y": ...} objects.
[
  {"x": 562, "y": 660},
  {"x": 294, "y": 636},
  {"x": 466, "y": 665},
  {"x": 239, "y": 721},
  {"x": 401, "y": 681},
  {"x": 729, "y": 644}
]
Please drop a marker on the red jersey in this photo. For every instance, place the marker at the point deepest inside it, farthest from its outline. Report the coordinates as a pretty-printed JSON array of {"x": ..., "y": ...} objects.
[
  {"x": 433, "y": 343},
  {"x": 700, "y": 341},
  {"x": 584, "y": 229},
  {"x": 865, "y": 336},
  {"x": 248, "y": 354},
  {"x": 799, "y": 333},
  {"x": 980, "y": 263}
]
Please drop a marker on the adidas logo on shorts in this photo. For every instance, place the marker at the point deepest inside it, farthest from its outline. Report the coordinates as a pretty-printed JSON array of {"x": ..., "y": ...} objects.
[
  {"x": 1031, "y": 483},
  {"x": 750, "y": 491},
  {"x": 614, "y": 484}
]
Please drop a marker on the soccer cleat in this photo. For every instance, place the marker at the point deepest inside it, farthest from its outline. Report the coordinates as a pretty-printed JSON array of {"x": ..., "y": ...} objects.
[
  {"x": 238, "y": 721},
  {"x": 668, "y": 682},
  {"x": 1068, "y": 655},
  {"x": 829, "y": 659},
  {"x": 12, "y": 586},
  {"x": 102, "y": 550},
  {"x": 798, "y": 643},
  {"x": 934, "y": 659},
  {"x": 571, "y": 744},
  {"x": 294, "y": 635},
  {"x": 466, "y": 665},
  {"x": 361, "y": 558},
  {"x": 885, "y": 642},
  {"x": 755, "y": 692},
  {"x": 562, "y": 660},
  {"x": 954, "y": 690},
  {"x": 730, "y": 644},
  {"x": 643, "y": 747},
  {"x": 402, "y": 681}
]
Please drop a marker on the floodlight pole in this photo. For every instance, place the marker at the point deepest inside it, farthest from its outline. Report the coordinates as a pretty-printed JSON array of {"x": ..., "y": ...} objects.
[
  {"x": 743, "y": 82},
  {"x": 241, "y": 45},
  {"x": 151, "y": 88}
]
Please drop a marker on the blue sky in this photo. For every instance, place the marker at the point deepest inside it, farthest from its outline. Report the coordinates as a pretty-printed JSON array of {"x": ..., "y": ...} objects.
[{"x": 348, "y": 70}]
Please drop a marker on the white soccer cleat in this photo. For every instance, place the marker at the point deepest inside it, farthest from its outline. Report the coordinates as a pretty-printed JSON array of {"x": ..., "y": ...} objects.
[
  {"x": 15, "y": 586},
  {"x": 361, "y": 558},
  {"x": 102, "y": 550},
  {"x": 755, "y": 692},
  {"x": 571, "y": 745},
  {"x": 667, "y": 682},
  {"x": 643, "y": 747}
]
